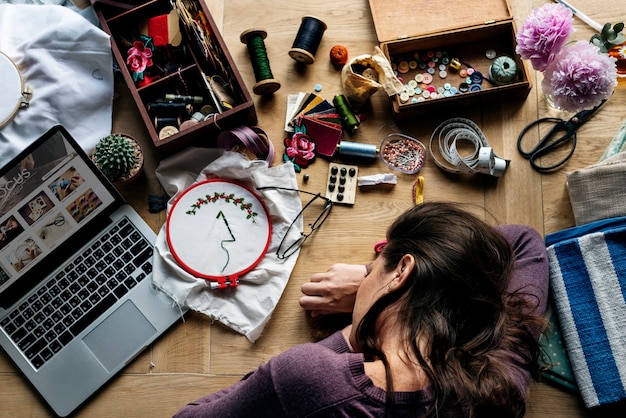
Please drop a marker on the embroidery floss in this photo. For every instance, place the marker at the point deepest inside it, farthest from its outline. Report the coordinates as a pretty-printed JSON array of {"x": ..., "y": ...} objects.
[
  {"x": 265, "y": 81},
  {"x": 307, "y": 40}
]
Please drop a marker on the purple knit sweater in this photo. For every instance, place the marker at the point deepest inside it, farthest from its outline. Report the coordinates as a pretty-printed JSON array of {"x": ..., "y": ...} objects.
[{"x": 326, "y": 380}]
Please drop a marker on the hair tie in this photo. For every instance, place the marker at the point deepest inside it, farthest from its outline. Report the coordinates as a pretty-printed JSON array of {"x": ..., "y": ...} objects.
[{"x": 380, "y": 246}]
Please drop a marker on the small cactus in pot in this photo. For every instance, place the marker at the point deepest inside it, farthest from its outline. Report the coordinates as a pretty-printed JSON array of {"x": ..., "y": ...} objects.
[{"x": 119, "y": 157}]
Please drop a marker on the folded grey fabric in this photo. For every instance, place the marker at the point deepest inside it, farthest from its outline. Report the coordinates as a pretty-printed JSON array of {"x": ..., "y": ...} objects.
[{"x": 597, "y": 192}]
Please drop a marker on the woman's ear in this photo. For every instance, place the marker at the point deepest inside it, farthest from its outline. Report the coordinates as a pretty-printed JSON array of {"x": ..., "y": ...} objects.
[{"x": 403, "y": 270}]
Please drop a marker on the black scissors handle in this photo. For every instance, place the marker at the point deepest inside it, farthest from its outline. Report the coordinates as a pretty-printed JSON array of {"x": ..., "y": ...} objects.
[{"x": 548, "y": 143}]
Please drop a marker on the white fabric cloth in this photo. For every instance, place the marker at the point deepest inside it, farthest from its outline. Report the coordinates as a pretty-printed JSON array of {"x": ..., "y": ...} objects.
[
  {"x": 68, "y": 63},
  {"x": 248, "y": 307}
]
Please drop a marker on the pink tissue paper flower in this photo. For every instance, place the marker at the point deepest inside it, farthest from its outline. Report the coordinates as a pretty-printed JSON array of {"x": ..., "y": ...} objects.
[
  {"x": 543, "y": 34},
  {"x": 580, "y": 77}
]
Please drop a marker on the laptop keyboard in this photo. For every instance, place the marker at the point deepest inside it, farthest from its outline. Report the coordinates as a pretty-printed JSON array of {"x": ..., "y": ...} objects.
[{"x": 80, "y": 293}]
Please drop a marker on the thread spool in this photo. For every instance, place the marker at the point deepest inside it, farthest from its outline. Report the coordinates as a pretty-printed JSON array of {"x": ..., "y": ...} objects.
[
  {"x": 307, "y": 40},
  {"x": 355, "y": 149},
  {"x": 503, "y": 70},
  {"x": 265, "y": 81},
  {"x": 184, "y": 99},
  {"x": 161, "y": 122},
  {"x": 349, "y": 120},
  {"x": 169, "y": 108}
]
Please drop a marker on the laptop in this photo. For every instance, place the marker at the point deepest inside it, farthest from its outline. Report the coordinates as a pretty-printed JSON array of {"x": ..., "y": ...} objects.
[{"x": 76, "y": 297}]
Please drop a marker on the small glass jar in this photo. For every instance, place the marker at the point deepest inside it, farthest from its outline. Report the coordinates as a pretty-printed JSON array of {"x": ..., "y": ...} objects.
[{"x": 619, "y": 53}]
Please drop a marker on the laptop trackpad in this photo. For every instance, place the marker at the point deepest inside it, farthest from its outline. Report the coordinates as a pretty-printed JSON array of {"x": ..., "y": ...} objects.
[{"x": 119, "y": 336}]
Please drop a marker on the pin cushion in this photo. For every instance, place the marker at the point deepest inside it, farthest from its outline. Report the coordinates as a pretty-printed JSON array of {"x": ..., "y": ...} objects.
[{"x": 402, "y": 153}]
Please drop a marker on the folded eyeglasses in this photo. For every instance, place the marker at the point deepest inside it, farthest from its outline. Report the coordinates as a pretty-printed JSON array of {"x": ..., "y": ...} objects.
[{"x": 288, "y": 246}]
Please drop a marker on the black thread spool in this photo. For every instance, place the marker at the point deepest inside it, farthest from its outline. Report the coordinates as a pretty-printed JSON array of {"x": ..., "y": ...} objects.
[
  {"x": 307, "y": 40},
  {"x": 265, "y": 82}
]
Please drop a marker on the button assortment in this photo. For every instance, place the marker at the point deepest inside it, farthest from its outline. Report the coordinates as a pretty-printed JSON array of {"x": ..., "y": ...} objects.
[
  {"x": 342, "y": 183},
  {"x": 421, "y": 73}
]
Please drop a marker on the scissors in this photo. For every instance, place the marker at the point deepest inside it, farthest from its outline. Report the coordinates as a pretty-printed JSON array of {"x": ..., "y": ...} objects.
[{"x": 561, "y": 133}]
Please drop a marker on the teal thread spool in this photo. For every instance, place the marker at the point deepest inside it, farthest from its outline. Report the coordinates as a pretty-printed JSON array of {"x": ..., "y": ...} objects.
[
  {"x": 265, "y": 81},
  {"x": 349, "y": 120},
  {"x": 355, "y": 149},
  {"x": 503, "y": 71}
]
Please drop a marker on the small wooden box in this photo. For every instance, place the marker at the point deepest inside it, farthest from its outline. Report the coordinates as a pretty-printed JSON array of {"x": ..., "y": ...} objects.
[
  {"x": 183, "y": 68},
  {"x": 471, "y": 31}
]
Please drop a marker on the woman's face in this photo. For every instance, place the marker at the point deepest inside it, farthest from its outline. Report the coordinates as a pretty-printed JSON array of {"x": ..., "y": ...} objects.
[{"x": 373, "y": 286}]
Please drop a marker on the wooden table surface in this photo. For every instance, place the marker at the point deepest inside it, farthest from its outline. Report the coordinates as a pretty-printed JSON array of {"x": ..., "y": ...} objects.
[{"x": 198, "y": 356}]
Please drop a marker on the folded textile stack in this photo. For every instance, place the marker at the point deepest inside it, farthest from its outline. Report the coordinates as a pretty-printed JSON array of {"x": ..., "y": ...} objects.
[{"x": 588, "y": 280}]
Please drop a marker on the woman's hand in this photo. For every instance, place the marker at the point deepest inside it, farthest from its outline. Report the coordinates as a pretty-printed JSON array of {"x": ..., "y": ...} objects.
[{"x": 333, "y": 291}]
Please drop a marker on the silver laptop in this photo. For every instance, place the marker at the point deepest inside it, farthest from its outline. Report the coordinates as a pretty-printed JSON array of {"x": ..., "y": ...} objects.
[{"x": 76, "y": 296}]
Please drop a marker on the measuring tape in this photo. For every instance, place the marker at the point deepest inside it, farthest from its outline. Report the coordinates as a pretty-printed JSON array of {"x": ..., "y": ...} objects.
[{"x": 450, "y": 135}]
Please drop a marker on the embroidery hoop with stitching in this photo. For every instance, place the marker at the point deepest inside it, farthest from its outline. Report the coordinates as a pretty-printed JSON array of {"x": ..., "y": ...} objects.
[
  {"x": 12, "y": 87},
  {"x": 218, "y": 230}
]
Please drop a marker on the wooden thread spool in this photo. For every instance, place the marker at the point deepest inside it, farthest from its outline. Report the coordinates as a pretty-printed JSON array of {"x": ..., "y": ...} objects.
[
  {"x": 265, "y": 81},
  {"x": 307, "y": 40}
]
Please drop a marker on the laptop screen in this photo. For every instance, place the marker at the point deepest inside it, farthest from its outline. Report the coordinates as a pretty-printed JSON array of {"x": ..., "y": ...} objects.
[{"x": 49, "y": 193}]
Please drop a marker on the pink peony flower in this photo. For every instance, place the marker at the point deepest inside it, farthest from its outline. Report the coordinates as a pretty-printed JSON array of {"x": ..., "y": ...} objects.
[
  {"x": 300, "y": 149},
  {"x": 580, "y": 77},
  {"x": 543, "y": 34},
  {"x": 139, "y": 58}
]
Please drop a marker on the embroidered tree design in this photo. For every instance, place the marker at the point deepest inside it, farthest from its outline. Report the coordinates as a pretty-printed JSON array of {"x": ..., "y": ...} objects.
[{"x": 227, "y": 198}]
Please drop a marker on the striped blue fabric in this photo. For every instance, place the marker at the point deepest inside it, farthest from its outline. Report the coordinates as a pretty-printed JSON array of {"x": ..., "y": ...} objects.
[{"x": 588, "y": 282}]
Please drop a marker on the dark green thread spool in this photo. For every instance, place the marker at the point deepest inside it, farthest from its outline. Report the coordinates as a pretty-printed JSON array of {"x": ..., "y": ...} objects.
[
  {"x": 265, "y": 81},
  {"x": 349, "y": 120}
]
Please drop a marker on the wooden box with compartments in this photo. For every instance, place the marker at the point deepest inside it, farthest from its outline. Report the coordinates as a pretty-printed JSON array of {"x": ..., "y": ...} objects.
[
  {"x": 450, "y": 54},
  {"x": 178, "y": 69}
]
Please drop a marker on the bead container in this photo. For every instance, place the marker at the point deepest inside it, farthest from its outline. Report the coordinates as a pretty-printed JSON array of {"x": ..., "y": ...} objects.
[{"x": 402, "y": 153}]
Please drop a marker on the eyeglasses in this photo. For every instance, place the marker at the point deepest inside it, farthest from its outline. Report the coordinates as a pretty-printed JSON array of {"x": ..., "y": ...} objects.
[{"x": 287, "y": 248}]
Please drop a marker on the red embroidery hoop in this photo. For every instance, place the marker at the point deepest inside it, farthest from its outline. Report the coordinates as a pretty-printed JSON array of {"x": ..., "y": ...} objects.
[{"x": 218, "y": 230}]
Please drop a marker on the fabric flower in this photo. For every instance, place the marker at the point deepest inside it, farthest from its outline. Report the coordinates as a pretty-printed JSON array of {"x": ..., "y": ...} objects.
[
  {"x": 139, "y": 58},
  {"x": 300, "y": 149},
  {"x": 543, "y": 34},
  {"x": 580, "y": 77}
]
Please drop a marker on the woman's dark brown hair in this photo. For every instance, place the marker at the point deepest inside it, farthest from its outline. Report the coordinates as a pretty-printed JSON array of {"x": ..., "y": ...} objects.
[{"x": 478, "y": 339}]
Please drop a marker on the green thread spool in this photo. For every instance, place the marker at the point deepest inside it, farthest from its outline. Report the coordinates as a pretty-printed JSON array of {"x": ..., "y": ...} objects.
[
  {"x": 265, "y": 81},
  {"x": 348, "y": 119}
]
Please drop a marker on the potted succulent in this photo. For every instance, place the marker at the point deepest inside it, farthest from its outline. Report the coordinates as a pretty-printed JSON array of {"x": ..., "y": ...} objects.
[{"x": 119, "y": 157}]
